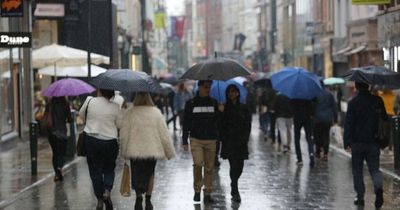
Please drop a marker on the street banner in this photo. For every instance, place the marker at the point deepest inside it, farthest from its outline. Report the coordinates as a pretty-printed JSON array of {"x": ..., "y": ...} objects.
[
  {"x": 160, "y": 19},
  {"x": 12, "y": 8},
  {"x": 15, "y": 39},
  {"x": 371, "y": 2}
]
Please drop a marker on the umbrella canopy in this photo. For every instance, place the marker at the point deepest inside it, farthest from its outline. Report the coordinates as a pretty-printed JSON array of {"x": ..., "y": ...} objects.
[
  {"x": 216, "y": 69},
  {"x": 72, "y": 71},
  {"x": 375, "y": 75},
  {"x": 68, "y": 87},
  {"x": 240, "y": 80},
  {"x": 333, "y": 81},
  {"x": 171, "y": 80},
  {"x": 126, "y": 80},
  {"x": 64, "y": 56},
  {"x": 166, "y": 88},
  {"x": 296, "y": 83},
  {"x": 218, "y": 89}
]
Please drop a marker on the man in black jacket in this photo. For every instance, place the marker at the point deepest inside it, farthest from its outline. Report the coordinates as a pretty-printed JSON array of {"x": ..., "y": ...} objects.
[
  {"x": 361, "y": 130},
  {"x": 200, "y": 123}
]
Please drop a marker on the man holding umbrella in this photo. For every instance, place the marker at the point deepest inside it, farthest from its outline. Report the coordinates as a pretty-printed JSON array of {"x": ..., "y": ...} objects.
[
  {"x": 360, "y": 133},
  {"x": 200, "y": 123}
]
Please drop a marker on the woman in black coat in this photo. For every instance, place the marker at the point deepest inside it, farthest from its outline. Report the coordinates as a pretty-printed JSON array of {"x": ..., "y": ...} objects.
[{"x": 235, "y": 132}]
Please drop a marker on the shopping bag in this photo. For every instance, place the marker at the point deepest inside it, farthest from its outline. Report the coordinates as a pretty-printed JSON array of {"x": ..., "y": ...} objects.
[
  {"x": 335, "y": 134},
  {"x": 125, "y": 189}
]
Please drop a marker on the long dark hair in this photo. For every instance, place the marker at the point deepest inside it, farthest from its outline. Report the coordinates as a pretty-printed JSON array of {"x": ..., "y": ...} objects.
[{"x": 228, "y": 101}]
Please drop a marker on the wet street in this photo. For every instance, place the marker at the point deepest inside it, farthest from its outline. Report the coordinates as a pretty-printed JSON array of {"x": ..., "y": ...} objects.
[{"x": 270, "y": 180}]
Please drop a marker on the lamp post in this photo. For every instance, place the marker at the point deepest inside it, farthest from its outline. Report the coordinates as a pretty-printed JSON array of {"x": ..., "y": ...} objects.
[{"x": 89, "y": 45}]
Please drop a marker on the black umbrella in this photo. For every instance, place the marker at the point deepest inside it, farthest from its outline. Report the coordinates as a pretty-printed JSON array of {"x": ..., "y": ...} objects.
[
  {"x": 374, "y": 75},
  {"x": 171, "y": 80},
  {"x": 126, "y": 80},
  {"x": 217, "y": 68}
]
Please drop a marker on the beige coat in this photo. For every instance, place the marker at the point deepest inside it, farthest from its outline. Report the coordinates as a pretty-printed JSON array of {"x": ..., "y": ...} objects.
[{"x": 144, "y": 134}]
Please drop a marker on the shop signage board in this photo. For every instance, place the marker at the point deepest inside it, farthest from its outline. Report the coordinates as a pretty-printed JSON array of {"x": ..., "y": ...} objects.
[
  {"x": 15, "y": 39},
  {"x": 372, "y": 2},
  {"x": 12, "y": 8}
]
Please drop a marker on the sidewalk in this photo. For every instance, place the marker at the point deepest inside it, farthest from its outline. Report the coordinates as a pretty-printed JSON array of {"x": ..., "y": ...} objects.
[
  {"x": 15, "y": 169},
  {"x": 386, "y": 160}
]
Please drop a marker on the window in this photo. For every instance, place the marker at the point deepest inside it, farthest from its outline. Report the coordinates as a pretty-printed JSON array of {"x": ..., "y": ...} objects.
[{"x": 6, "y": 93}]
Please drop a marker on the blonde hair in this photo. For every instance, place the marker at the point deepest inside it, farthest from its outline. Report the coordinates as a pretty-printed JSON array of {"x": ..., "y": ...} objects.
[{"x": 143, "y": 99}]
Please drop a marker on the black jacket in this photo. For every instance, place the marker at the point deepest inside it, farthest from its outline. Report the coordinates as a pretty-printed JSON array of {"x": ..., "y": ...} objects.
[
  {"x": 200, "y": 119},
  {"x": 61, "y": 114},
  {"x": 362, "y": 119},
  {"x": 235, "y": 131},
  {"x": 283, "y": 107}
]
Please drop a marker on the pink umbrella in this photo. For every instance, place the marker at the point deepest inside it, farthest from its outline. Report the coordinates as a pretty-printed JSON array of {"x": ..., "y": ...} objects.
[{"x": 68, "y": 87}]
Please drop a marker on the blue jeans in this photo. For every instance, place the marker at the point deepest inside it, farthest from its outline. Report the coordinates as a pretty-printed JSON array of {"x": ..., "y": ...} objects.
[
  {"x": 264, "y": 122},
  {"x": 369, "y": 153},
  {"x": 101, "y": 156}
]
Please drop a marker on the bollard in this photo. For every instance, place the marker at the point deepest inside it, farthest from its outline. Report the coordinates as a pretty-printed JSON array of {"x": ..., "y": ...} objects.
[
  {"x": 71, "y": 143},
  {"x": 33, "y": 140},
  {"x": 396, "y": 143}
]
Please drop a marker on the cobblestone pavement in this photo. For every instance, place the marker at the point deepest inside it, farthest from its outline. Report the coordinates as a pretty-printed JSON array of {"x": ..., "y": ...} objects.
[{"x": 271, "y": 180}]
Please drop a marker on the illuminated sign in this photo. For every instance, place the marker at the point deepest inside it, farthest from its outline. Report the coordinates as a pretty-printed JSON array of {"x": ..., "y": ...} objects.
[
  {"x": 15, "y": 39},
  {"x": 372, "y": 2},
  {"x": 12, "y": 8}
]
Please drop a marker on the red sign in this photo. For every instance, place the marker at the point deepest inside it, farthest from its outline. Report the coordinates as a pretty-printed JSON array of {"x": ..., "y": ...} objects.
[{"x": 12, "y": 8}]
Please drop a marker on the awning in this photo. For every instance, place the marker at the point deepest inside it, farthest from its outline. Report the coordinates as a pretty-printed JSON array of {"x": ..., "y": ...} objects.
[
  {"x": 357, "y": 50},
  {"x": 346, "y": 49}
]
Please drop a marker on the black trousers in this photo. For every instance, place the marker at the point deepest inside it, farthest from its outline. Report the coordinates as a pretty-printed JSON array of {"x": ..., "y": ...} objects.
[
  {"x": 141, "y": 171},
  {"x": 321, "y": 137},
  {"x": 58, "y": 147},
  {"x": 235, "y": 171},
  {"x": 101, "y": 156},
  {"x": 272, "y": 126},
  {"x": 307, "y": 124}
]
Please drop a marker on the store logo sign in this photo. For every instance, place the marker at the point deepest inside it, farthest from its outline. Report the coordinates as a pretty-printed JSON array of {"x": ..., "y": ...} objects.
[
  {"x": 15, "y": 39},
  {"x": 12, "y": 8}
]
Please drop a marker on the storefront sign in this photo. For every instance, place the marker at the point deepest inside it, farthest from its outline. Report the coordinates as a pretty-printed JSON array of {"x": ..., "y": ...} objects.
[
  {"x": 49, "y": 10},
  {"x": 15, "y": 39},
  {"x": 373, "y": 2},
  {"x": 12, "y": 8}
]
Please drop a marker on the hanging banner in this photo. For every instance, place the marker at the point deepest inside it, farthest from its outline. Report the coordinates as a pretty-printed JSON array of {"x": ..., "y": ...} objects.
[
  {"x": 12, "y": 8},
  {"x": 160, "y": 19},
  {"x": 371, "y": 2},
  {"x": 15, "y": 39}
]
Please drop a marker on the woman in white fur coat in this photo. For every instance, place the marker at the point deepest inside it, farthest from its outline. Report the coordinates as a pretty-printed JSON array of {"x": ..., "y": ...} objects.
[{"x": 144, "y": 140}]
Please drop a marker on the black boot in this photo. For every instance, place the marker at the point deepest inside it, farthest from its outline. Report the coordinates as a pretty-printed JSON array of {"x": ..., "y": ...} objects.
[
  {"x": 379, "y": 198},
  {"x": 138, "y": 203},
  {"x": 149, "y": 205},
  {"x": 235, "y": 192}
]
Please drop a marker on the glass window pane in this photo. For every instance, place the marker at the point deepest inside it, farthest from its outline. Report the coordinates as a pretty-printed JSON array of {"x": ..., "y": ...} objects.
[{"x": 6, "y": 93}]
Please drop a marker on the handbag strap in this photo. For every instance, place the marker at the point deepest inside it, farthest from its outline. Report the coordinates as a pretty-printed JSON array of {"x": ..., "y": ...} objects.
[{"x": 86, "y": 111}]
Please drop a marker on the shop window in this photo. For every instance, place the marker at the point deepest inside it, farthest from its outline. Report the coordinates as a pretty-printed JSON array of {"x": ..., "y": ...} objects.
[{"x": 6, "y": 94}]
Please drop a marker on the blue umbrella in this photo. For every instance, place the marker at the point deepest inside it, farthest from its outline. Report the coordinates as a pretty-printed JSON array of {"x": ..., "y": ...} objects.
[
  {"x": 218, "y": 89},
  {"x": 296, "y": 83}
]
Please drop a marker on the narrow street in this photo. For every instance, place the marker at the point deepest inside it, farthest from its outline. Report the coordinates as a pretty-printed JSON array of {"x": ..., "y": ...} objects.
[{"x": 271, "y": 180}]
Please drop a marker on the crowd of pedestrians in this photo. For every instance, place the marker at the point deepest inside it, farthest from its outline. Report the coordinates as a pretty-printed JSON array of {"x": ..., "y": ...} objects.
[{"x": 139, "y": 132}]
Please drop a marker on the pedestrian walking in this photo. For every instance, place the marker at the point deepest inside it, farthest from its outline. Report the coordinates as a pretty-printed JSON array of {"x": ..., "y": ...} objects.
[
  {"x": 284, "y": 120},
  {"x": 180, "y": 98},
  {"x": 144, "y": 144},
  {"x": 360, "y": 137},
  {"x": 200, "y": 123},
  {"x": 101, "y": 143},
  {"x": 325, "y": 116},
  {"x": 234, "y": 136},
  {"x": 60, "y": 113},
  {"x": 303, "y": 112}
]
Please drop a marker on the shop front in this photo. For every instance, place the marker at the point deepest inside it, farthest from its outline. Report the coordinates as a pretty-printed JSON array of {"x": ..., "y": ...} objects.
[
  {"x": 363, "y": 40},
  {"x": 389, "y": 38}
]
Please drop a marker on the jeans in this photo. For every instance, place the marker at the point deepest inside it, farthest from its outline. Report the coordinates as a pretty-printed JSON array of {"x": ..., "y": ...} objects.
[
  {"x": 370, "y": 153},
  {"x": 307, "y": 124},
  {"x": 101, "y": 156},
  {"x": 264, "y": 122}
]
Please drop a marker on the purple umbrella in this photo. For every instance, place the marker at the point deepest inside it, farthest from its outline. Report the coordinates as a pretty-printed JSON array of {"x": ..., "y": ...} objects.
[{"x": 68, "y": 87}]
